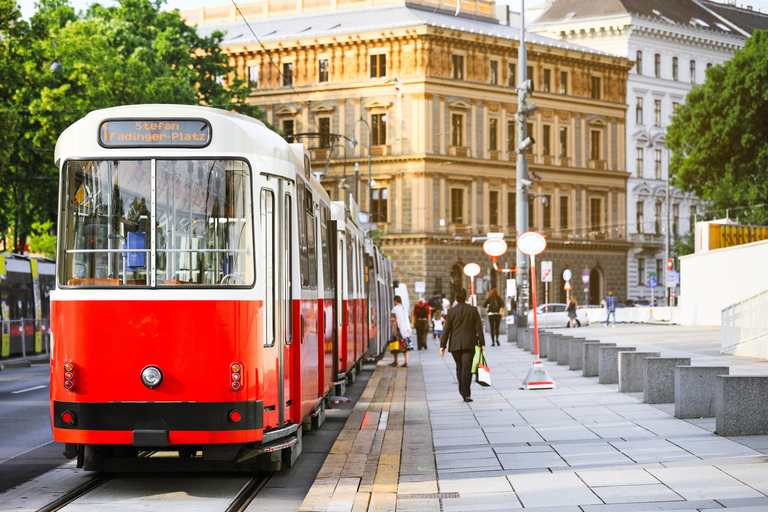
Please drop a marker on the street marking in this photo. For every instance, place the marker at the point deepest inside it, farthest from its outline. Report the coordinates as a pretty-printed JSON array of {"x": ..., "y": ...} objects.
[
  {"x": 28, "y": 389},
  {"x": 22, "y": 453}
]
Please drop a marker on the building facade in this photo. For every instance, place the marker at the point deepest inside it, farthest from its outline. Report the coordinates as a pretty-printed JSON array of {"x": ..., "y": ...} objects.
[
  {"x": 434, "y": 92},
  {"x": 672, "y": 45}
]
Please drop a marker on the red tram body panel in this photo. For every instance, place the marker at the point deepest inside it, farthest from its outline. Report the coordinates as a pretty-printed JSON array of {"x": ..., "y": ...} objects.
[{"x": 209, "y": 296}]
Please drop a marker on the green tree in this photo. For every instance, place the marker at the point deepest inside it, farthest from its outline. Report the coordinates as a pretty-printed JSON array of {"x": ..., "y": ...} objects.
[
  {"x": 720, "y": 136},
  {"x": 133, "y": 53}
]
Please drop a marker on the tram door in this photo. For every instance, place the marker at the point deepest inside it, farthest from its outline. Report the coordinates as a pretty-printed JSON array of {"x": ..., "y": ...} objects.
[{"x": 277, "y": 231}]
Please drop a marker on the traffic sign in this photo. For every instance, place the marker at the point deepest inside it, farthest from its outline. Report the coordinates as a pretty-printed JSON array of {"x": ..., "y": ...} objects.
[
  {"x": 652, "y": 282},
  {"x": 546, "y": 271},
  {"x": 495, "y": 247},
  {"x": 671, "y": 278},
  {"x": 567, "y": 274},
  {"x": 585, "y": 275},
  {"x": 420, "y": 286},
  {"x": 531, "y": 243},
  {"x": 567, "y": 286},
  {"x": 669, "y": 263},
  {"x": 471, "y": 269}
]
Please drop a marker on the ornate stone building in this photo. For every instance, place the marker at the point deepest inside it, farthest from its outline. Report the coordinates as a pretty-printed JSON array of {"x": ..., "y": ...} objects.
[{"x": 437, "y": 92}]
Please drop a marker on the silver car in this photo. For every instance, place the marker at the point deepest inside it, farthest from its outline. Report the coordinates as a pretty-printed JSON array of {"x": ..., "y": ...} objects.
[{"x": 554, "y": 315}]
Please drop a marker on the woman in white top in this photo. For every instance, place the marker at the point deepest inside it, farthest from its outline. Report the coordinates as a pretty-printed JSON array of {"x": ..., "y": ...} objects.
[{"x": 403, "y": 325}]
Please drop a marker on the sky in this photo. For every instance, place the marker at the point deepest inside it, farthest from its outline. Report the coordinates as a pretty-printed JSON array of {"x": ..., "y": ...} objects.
[{"x": 28, "y": 6}]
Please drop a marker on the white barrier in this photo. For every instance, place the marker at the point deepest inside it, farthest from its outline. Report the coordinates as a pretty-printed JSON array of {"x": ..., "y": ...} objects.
[{"x": 637, "y": 315}]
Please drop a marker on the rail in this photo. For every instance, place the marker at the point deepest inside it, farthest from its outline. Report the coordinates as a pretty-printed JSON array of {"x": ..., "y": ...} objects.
[{"x": 744, "y": 322}]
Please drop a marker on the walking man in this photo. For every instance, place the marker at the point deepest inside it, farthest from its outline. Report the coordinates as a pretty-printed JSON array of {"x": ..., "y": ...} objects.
[
  {"x": 610, "y": 305},
  {"x": 463, "y": 331}
]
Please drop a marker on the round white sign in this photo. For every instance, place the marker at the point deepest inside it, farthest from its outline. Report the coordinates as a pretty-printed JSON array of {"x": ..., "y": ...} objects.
[
  {"x": 531, "y": 243},
  {"x": 495, "y": 247},
  {"x": 567, "y": 274},
  {"x": 471, "y": 269}
]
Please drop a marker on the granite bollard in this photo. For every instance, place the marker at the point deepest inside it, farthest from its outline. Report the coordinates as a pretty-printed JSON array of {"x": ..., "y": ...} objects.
[
  {"x": 552, "y": 346},
  {"x": 608, "y": 364},
  {"x": 740, "y": 405},
  {"x": 576, "y": 356},
  {"x": 590, "y": 357},
  {"x": 563, "y": 350},
  {"x": 659, "y": 378},
  {"x": 695, "y": 390},
  {"x": 631, "y": 370}
]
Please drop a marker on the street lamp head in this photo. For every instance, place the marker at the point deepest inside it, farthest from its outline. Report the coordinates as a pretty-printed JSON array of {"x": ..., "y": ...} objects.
[
  {"x": 353, "y": 142},
  {"x": 56, "y": 67}
]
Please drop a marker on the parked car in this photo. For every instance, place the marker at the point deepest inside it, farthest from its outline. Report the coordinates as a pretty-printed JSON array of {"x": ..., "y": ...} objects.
[
  {"x": 554, "y": 315},
  {"x": 638, "y": 302}
]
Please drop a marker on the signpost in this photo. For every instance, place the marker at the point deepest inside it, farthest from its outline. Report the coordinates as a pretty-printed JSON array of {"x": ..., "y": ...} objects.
[
  {"x": 652, "y": 283},
  {"x": 532, "y": 243},
  {"x": 471, "y": 270}
]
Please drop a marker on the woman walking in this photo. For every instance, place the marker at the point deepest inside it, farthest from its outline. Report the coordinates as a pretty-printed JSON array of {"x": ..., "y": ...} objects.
[
  {"x": 493, "y": 305},
  {"x": 402, "y": 329},
  {"x": 571, "y": 310}
]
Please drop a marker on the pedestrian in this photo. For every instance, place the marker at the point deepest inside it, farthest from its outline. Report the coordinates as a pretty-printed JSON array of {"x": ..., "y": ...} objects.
[
  {"x": 610, "y": 304},
  {"x": 493, "y": 305},
  {"x": 435, "y": 302},
  {"x": 463, "y": 332},
  {"x": 513, "y": 308},
  {"x": 402, "y": 328},
  {"x": 421, "y": 322},
  {"x": 437, "y": 325},
  {"x": 446, "y": 304},
  {"x": 571, "y": 310}
]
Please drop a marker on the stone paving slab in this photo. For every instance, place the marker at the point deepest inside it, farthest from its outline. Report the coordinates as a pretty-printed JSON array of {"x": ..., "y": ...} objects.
[{"x": 581, "y": 447}]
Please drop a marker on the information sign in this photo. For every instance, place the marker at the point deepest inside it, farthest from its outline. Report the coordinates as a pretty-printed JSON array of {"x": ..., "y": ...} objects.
[
  {"x": 531, "y": 243},
  {"x": 671, "y": 278},
  {"x": 652, "y": 282},
  {"x": 471, "y": 269},
  {"x": 157, "y": 133}
]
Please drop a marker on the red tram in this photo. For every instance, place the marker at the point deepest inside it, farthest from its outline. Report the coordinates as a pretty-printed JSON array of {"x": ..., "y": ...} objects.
[{"x": 209, "y": 296}]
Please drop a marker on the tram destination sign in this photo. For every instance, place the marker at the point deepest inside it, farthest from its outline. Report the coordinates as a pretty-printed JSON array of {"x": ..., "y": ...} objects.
[{"x": 155, "y": 133}]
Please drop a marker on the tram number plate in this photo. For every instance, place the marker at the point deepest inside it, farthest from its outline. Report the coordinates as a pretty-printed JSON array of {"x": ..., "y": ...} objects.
[{"x": 157, "y": 133}]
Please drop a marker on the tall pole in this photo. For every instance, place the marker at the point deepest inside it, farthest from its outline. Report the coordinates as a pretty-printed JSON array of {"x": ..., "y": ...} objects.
[
  {"x": 521, "y": 224},
  {"x": 666, "y": 238}
]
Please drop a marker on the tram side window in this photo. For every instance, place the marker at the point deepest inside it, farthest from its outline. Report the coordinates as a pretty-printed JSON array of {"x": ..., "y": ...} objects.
[
  {"x": 311, "y": 253},
  {"x": 327, "y": 270},
  {"x": 202, "y": 223},
  {"x": 303, "y": 245},
  {"x": 268, "y": 255},
  {"x": 350, "y": 265}
]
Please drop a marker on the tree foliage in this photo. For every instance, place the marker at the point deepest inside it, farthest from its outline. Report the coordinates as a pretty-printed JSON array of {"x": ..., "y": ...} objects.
[
  {"x": 133, "y": 53},
  {"x": 720, "y": 136}
]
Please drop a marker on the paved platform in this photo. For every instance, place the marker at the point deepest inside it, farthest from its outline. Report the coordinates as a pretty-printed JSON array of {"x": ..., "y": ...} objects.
[{"x": 413, "y": 444}]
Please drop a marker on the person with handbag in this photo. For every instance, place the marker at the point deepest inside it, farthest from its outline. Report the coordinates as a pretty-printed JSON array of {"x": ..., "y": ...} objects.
[
  {"x": 463, "y": 332},
  {"x": 402, "y": 329},
  {"x": 493, "y": 306}
]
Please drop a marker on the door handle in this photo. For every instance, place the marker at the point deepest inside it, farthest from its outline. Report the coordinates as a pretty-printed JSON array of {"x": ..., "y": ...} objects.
[{"x": 302, "y": 328}]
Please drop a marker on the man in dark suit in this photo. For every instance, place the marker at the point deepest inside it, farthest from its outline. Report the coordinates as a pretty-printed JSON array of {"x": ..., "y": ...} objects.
[{"x": 464, "y": 330}]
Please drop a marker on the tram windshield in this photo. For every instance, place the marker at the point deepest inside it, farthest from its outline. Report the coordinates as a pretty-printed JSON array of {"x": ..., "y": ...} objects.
[{"x": 196, "y": 231}]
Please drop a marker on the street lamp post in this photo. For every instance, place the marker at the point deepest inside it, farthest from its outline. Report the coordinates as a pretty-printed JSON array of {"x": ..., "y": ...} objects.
[{"x": 370, "y": 181}]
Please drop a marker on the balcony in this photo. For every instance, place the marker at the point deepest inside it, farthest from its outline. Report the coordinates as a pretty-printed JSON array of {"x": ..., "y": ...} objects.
[
  {"x": 458, "y": 151},
  {"x": 380, "y": 150},
  {"x": 646, "y": 238}
]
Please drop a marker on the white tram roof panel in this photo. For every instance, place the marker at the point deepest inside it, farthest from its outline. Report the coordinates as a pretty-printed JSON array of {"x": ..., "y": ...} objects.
[{"x": 231, "y": 134}]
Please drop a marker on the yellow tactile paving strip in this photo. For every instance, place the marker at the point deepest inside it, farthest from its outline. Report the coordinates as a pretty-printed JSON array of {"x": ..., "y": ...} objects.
[{"x": 361, "y": 472}]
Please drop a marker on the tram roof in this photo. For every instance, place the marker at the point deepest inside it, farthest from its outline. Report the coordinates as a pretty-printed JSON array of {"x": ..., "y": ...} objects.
[{"x": 231, "y": 134}]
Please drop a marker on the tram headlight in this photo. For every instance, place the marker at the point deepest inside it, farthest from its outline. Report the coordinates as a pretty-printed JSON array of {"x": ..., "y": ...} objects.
[{"x": 151, "y": 376}]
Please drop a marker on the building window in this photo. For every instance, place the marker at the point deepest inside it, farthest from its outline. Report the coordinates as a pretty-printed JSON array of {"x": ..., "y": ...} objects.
[
  {"x": 547, "y": 212},
  {"x": 596, "y": 85},
  {"x": 639, "y": 161},
  {"x": 640, "y": 220},
  {"x": 709, "y": 65},
  {"x": 657, "y": 218},
  {"x": 379, "y": 65},
  {"x": 564, "y": 212},
  {"x": 546, "y": 148},
  {"x": 675, "y": 219},
  {"x": 674, "y": 69},
  {"x": 529, "y": 76},
  {"x": 563, "y": 142},
  {"x": 287, "y": 74},
  {"x": 493, "y": 208},
  {"x": 529, "y": 130},
  {"x": 322, "y": 70},
  {"x": 379, "y": 129},
  {"x": 657, "y": 65},
  {"x": 493, "y": 134},
  {"x": 641, "y": 271},
  {"x": 563, "y": 82},
  {"x": 253, "y": 77},
  {"x": 546, "y": 82},
  {"x": 674, "y": 106},
  {"x": 659, "y": 267},
  {"x": 693, "y": 71},
  {"x": 457, "y": 129},
  {"x": 511, "y": 127},
  {"x": 639, "y": 65},
  {"x": 379, "y": 198},
  {"x": 288, "y": 129},
  {"x": 457, "y": 206},
  {"x": 639, "y": 111},
  {"x": 595, "y": 205},
  {"x": 511, "y": 210},
  {"x": 494, "y": 72},
  {"x": 324, "y": 129},
  {"x": 595, "y": 146},
  {"x": 531, "y": 209},
  {"x": 657, "y": 112},
  {"x": 511, "y": 74},
  {"x": 657, "y": 164},
  {"x": 457, "y": 73}
]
